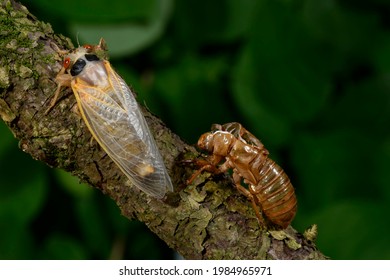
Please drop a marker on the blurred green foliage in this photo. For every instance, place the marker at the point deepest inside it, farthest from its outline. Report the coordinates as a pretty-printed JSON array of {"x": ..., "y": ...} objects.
[{"x": 310, "y": 78}]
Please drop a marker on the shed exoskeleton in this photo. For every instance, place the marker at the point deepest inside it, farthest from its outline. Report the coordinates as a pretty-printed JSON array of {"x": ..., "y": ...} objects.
[{"x": 269, "y": 189}]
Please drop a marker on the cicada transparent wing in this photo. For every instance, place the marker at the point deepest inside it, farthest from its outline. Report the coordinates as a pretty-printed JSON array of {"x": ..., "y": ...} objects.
[{"x": 113, "y": 116}]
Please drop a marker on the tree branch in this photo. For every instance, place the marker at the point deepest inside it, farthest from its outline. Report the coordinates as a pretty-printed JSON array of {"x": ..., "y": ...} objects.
[{"x": 206, "y": 220}]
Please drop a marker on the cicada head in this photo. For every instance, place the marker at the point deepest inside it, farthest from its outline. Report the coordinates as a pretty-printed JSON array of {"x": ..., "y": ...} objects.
[
  {"x": 218, "y": 142},
  {"x": 100, "y": 50},
  {"x": 206, "y": 142},
  {"x": 75, "y": 61}
]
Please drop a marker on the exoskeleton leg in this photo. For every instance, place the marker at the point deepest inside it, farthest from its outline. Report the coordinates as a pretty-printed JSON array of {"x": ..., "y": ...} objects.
[
  {"x": 209, "y": 165},
  {"x": 250, "y": 196}
]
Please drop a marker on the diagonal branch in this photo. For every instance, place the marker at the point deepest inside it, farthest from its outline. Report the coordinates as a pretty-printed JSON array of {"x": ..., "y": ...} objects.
[{"x": 206, "y": 220}]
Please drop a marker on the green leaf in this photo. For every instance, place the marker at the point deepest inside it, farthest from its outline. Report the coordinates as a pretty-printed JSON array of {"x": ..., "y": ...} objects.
[
  {"x": 381, "y": 167},
  {"x": 81, "y": 11},
  {"x": 60, "y": 247},
  {"x": 93, "y": 222},
  {"x": 348, "y": 32},
  {"x": 129, "y": 36},
  {"x": 16, "y": 242},
  {"x": 333, "y": 166},
  {"x": 194, "y": 88},
  {"x": 210, "y": 22},
  {"x": 7, "y": 140},
  {"x": 261, "y": 120},
  {"x": 21, "y": 197},
  {"x": 287, "y": 73},
  {"x": 352, "y": 229},
  {"x": 363, "y": 105},
  {"x": 72, "y": 184}
]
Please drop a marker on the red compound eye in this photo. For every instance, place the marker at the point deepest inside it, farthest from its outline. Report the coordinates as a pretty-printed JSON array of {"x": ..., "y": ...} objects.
[
  {"x": 66, "y": 63},
  {"x": 88, "y": 47}
]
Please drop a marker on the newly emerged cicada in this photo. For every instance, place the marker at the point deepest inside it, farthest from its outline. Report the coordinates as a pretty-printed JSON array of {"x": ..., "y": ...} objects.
[
  {"x": 268, "y": 187},
  {"x": 113, "y": 117}
]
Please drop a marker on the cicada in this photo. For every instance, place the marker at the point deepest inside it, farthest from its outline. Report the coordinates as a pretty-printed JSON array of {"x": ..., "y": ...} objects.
[
  {"x": 232, "y": 147},
  {"x": 113, "y": 116}
]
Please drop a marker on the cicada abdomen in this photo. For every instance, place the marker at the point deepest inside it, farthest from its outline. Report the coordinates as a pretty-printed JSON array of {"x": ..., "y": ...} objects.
[{"x": 274, "y": 193}]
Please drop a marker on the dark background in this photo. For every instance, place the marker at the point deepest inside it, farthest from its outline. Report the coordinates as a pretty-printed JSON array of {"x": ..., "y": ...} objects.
[{"x": 310, "y": 78}]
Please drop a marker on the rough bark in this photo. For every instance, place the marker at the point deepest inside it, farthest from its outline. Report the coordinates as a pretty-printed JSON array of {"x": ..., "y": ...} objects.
[{"x": 206, "y": 220}]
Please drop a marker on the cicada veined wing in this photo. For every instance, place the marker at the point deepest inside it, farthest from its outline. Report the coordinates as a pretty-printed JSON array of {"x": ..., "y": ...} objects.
[{"x": 113, "y": 116}]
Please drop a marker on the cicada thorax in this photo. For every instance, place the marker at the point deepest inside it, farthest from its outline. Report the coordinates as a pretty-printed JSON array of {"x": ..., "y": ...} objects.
[{"x": 238, "y": 131}]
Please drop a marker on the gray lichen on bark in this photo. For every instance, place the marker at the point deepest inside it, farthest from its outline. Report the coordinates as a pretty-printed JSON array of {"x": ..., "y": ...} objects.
[{"x": 206, "y": 220}]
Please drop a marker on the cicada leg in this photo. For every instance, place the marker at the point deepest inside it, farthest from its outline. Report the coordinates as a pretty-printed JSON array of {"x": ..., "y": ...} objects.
[
  {"x": 209, "y": 165},
  {"x": 63, "y": 80},
  {"x": 237, "y": 181}
]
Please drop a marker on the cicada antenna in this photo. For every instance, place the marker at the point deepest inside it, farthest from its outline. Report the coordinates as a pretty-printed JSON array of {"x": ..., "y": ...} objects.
[{"x": 77, "y": 39}]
